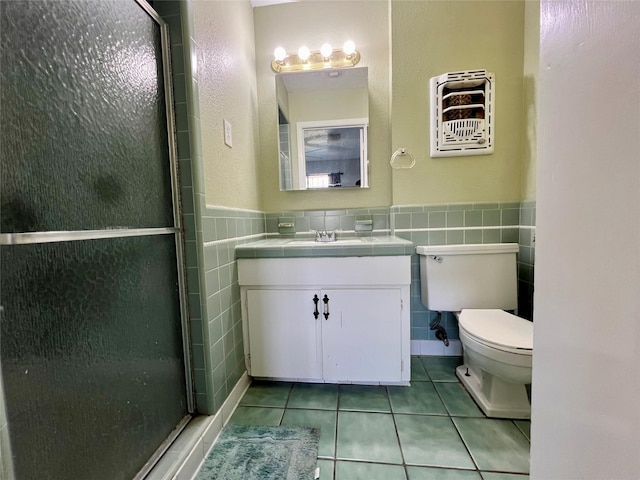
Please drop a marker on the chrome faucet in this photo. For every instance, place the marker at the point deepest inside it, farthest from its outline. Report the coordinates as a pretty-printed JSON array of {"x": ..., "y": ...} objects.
[{"x": 325, "y": 236}]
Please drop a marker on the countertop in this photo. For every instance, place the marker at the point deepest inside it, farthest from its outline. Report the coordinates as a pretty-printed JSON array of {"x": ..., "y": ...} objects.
[{"x": 383, "y": 245}]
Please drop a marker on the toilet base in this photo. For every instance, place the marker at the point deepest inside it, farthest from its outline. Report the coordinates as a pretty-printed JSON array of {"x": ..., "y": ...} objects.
[{"x": 496, "y": 398}]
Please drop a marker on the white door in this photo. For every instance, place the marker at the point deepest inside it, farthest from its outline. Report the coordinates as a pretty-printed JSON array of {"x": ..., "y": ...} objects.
[
  {"x": 284, "y": 339},
  {"x": 361, "y": 337}
]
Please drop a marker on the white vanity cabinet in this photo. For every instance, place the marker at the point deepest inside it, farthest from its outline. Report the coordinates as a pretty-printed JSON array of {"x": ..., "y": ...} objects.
[
  {"x": 283, "y": 337},
  {"x": 358, "y": 333}
]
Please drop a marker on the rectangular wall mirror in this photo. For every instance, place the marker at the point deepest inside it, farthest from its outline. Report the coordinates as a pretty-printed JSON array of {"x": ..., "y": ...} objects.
[{"x": 323, "y": 118}]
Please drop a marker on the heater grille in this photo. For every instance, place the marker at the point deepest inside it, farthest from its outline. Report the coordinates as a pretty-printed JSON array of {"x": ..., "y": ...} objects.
[
  {"x": 462, "y": 113},
  {"x": 462, "y": 130}
]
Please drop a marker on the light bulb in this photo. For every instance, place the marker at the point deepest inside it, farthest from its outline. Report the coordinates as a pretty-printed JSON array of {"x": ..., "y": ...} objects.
[
  {"x": 303, "y": 53},
  {"x": 280, "y": 54},
  {"x": 326, "y": 50},
  {"x": 349, "y": 47}
]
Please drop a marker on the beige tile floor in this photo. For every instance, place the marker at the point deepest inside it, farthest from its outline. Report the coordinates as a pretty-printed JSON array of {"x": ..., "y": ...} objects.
[{"x": 430, "y": 430}]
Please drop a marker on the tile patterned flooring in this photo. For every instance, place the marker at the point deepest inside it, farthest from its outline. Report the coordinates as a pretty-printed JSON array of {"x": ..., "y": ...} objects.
[{"x": 431, "y": 430}]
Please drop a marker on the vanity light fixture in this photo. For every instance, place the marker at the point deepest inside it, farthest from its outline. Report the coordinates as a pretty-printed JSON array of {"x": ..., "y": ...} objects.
[
  {"x": 280, "y": 54},
  {"x": 303, "y": 53},
  {"x": 326, "y": 50},
  {"x": 305, "y": 59}
]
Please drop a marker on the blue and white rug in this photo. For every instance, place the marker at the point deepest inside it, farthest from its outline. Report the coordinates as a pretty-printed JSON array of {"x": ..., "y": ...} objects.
[{"x": 247, "y": 452}]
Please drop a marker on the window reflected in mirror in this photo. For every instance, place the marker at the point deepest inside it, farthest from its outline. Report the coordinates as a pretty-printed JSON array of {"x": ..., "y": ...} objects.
[{"x": 333, "y": 155}]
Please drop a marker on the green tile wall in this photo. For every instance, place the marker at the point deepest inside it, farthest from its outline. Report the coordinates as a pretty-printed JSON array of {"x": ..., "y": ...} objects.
[
  {"x": 452, "y": 224},
  {"x": 176, "y": 15},
  {"x": 443, "y": 224},
  {"x": 307, "y": 220},
  {"x": 526, "y": 258},
  {"x": 224, "y": 229},
  {"x": 210, "y": 234}
]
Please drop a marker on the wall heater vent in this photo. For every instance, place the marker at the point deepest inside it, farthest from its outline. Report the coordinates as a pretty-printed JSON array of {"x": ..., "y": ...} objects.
[{"x": 462, "y": 113}]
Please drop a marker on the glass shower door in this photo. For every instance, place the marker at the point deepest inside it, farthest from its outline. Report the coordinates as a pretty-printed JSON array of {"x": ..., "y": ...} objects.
[{"x": 92, "y": 345}]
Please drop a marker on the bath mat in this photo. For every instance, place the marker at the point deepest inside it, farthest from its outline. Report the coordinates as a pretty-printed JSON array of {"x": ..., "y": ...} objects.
[{"x": 247, "y": 452}]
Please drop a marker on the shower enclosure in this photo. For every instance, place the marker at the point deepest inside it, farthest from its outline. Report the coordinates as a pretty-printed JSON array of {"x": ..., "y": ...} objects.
[{"x": 93, "y": 344}]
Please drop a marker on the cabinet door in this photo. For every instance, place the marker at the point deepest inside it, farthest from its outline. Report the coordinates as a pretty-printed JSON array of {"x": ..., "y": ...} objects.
[
  {"x": 361, "y": 339},
  {"x": 284, "y": 339}
]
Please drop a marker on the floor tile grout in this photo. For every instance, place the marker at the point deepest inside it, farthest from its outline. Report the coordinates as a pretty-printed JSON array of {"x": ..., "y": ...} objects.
[
  {"x": 339, "y": 403},
  {"x": 335, "y": 437},
  {"x": 395, "y": 426},
  {"x": 458, "y": 431}
]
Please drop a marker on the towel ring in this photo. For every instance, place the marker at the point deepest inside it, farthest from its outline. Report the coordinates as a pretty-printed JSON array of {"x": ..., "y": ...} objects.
[{"x": 402, "y": 152}]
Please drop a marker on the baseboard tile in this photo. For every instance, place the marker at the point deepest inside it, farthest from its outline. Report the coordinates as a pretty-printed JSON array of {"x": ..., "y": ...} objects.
[
  {"x": 184, "y": 458},
  {"x": 436, "y": 348}
]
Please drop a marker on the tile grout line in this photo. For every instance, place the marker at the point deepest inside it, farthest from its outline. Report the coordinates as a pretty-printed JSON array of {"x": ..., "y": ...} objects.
[
  {"x": 340, "y": 392},
  {"x": 448, "y": 415},
  {"x": 395, "y": 426},
  {"x": 286, "y": 402},
  {"x": 477, "y": 469},
  {"x": 335, "y": 440}
]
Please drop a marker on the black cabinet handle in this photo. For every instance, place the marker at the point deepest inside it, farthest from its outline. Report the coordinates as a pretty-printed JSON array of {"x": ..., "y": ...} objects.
[
  {"x": 326, "y": 307},
  {"x": 316, "y": 314}
]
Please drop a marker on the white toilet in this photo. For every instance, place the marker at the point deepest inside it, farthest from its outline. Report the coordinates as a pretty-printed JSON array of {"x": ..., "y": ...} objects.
[{"x": 478, "y": 283}]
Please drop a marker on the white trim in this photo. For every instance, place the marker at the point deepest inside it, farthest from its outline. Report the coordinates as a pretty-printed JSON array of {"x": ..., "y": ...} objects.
[
  {"x": 233, "y": 209},
  {"x": 362, "y": 123},
  {"x": 234, "y": 239},
  {"x": 341, "y": 122},
  {"x": 444, "y": 229},
  {"x": 501, "y": 204},
  {"x": 436, "y": 348}
]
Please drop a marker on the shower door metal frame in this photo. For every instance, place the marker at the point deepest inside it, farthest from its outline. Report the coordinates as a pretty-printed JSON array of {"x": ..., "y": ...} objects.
[
  {"x": 176, "y": 230},
  {"x": 175, "y": 190}
]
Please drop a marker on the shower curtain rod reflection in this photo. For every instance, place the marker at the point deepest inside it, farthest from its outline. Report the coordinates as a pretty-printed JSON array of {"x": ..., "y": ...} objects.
[{"x": 70, "y": 236}]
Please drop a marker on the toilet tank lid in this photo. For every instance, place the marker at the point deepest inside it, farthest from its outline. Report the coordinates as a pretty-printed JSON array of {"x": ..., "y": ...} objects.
[
  {"x": 498, "y": 327},
  {"x": 468, "y": 249}
]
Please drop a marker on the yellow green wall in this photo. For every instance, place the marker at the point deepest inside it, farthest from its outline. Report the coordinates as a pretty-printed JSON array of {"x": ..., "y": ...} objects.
[
  {"x": 530, "y": 81},
  {"x": 403, "y": 43},
  {"x": 226, "y": 73},
  {"x": 313, "y": 23},
  {"x": 434, "y": 37}
]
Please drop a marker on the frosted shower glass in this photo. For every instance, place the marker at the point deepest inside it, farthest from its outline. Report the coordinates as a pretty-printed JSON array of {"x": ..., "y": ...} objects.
[
  {"x": 83, "y": 106},
  {"x": 91, "y": 355},
  {"x": 91, "y": 343}
]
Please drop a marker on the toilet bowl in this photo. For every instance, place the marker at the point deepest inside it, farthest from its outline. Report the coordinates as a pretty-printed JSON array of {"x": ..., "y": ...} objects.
[{"x": 497, "y": 348}]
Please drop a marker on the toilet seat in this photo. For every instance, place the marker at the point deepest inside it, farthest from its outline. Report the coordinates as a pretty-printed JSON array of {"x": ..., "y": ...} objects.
[{"x": 498, "y": 329}]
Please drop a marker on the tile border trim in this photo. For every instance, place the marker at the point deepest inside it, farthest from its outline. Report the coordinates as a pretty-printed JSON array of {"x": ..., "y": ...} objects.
[{"x": 246, "y": 238}]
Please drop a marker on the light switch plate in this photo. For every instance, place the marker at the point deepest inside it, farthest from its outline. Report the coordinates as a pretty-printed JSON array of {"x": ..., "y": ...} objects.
[{"x": 227, "y": 133}]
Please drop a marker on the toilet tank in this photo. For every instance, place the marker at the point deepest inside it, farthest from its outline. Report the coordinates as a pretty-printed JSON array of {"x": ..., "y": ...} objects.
[{"x": 454, "y": 277}]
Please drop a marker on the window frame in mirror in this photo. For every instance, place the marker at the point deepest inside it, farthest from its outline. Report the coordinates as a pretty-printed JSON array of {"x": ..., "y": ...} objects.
[{"x": 360, "y": 124}]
